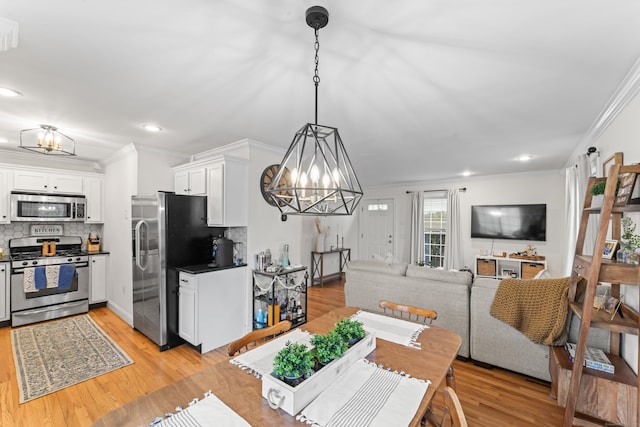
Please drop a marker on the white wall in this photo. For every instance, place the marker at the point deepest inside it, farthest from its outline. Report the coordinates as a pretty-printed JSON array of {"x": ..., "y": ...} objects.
[
  {"x": 526, "y": 188},
  {"x": 623, "y": 135},
  {"x": 154, "y": 170},
  {"x": 121, "y": 178}
]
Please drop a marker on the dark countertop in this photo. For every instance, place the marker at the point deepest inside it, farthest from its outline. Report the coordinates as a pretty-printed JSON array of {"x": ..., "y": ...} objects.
[
  {"x": 99, "y": 253},
  {"x": 206, "y": 268}
]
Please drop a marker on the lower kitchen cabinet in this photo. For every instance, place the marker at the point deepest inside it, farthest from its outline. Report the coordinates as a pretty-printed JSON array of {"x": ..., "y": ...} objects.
[
  {"x": 98, "y": 278},
  {"x": 4, "y": 291},
  {"x": 212, "y": 306}
]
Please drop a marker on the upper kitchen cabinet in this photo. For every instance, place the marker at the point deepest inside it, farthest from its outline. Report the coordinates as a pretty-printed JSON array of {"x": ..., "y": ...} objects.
[
  {"x": 4, "y": 197},
  {"x": 190, "y": 180},
  {"x": 227, "y": 192},
  {"x": 45, "y": 182},
  {"x": 94, "y": 191}
]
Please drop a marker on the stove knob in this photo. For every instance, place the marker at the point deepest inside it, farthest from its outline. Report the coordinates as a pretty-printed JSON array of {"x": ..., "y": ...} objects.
[
  {"x": 78, "y": 259},
  {"x": 34, "y": 262},
  {"x": 25, "y": 263},
  {"x": 69, "y": 259}
]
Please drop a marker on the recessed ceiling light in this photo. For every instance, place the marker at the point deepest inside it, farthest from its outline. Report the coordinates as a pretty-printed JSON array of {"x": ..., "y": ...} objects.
[
  {"x": 466, "y": 173},
  {"x": 524, "y": 158},
  {"x": 3, "y": 140},
  {"x": 10, "y": 93},
  {"x": 152, "y": 128}
]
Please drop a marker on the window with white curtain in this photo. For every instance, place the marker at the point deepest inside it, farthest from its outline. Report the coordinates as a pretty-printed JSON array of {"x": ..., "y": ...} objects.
[{"x": 435, "y": 226}]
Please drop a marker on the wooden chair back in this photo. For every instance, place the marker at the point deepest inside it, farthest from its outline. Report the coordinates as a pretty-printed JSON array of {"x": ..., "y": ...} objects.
[
  {"x": 453, "y": 415},
  {"x": 453, "y": 407},
  {"x": 259, "y": 334},
  {"x": 408, "y": 312}
]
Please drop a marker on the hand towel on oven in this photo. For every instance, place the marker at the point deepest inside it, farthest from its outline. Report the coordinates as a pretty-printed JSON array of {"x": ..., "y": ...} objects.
[
  {"x": 60, "y": 276},
  {"x": 34, "y": 279}
]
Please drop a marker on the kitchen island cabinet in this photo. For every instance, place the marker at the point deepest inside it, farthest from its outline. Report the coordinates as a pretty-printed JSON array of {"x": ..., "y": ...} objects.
[{"x": 211, "y": 307}]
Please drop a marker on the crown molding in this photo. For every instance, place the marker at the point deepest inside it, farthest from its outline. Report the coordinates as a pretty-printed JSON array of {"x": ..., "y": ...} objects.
[
  {"x": 624, "y": 94},
  {"x": 120, "y": 154},
  {"x": 20, "y": 158}
]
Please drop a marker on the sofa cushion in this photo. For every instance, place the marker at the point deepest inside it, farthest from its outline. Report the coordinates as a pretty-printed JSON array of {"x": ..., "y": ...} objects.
[
  {"x": 394, "y": 269},
  {"x": 458, "y": 277}
]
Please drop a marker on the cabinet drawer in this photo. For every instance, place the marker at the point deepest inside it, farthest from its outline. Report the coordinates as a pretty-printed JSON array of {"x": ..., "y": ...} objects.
[
  {"x": 486, "y": 267},
  {"x": 530, "y": 269}
]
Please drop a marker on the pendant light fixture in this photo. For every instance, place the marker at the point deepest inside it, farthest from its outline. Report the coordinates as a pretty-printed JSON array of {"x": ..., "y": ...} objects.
[
  {"x": 47, "y": 139},
  {"x": 315, "y": 176}
]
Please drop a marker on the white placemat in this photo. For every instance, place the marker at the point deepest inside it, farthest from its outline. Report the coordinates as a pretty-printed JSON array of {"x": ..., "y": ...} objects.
[
  {"x": 207, "y": 412},
  {"x": 391, "y": 329},
  {"x": 366, "y": 395},
  {"x": 260, "y": 359}
]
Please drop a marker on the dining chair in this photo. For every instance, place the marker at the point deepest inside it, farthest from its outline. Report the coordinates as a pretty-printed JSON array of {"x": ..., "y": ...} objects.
[
  {"x": 453, "y": 415},
  {"x": 259, "y": 334},
  {"x": 417, "y": 315},
  {"x": 408, "y": 312}
]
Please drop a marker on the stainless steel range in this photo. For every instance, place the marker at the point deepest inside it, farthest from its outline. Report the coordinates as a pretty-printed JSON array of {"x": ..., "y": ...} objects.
[{"x": 30, "y": 305}]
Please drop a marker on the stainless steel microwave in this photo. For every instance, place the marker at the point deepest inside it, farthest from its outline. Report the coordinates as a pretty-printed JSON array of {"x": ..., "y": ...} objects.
[{"x": 36, "y": 207}]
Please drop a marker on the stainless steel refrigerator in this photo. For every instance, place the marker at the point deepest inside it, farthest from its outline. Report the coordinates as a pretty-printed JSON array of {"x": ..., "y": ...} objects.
[{"x": 169, "y": 231}]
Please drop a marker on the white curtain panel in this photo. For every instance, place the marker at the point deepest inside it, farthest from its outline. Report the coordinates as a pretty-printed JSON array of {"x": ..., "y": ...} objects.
[
  {"x": 576, "y": 181},
  {"x": 416, "y": 251},
  {"x": 453, "y": 258}
]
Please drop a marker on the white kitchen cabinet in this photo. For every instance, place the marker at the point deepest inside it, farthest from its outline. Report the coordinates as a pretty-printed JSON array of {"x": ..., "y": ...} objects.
[
  {"x": 45, "y": 182},
  {"x": 94, "y": 191},
  {"x": 98, "y": 278},
  {"x": 192, "y": 181},
  {"x": 227, "y": 192},
  {"x": 212, "y": 307},
  {"x": 4, "y": 291},
  {"x": 188, "y": 309},
  {"x": 4, "y": 198}
]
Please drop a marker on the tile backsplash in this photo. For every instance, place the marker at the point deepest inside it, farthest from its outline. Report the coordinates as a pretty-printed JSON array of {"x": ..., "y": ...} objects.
[{"x": 17, "y": 230}]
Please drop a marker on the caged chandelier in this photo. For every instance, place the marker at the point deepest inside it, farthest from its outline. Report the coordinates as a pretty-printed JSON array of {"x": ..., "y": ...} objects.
[
  {"x": 315, "y": 176},
  {"x": 47, "y": 140}
]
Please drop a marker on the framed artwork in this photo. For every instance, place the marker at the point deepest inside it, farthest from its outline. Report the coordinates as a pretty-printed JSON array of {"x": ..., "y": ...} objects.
[
  {"x": 625, "y": 189},
  {"x": 615, "y": 158},
  {"x": 611, "y": 305},
  {"x": 609, "y": 250},
  {"x": 506, "y": 273}
]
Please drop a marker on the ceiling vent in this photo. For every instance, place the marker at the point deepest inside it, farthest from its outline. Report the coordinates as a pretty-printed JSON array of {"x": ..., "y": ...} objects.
[{"x": 8, "y": 34}]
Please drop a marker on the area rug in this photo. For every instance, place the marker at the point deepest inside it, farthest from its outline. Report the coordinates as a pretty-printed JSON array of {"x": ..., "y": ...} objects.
[{"x": 53, "y": 355}]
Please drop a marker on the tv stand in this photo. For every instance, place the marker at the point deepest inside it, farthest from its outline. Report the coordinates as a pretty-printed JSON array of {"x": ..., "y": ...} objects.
[{"x": 509, "y": 266}]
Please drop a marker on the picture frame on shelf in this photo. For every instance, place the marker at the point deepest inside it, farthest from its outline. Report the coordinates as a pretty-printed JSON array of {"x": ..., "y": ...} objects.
[
  {"x": 611, "y": 305},
  {"x": 615, "y": 158},
  {"x": 609, "y": 250},
  {"x": 507, "y": 273},
  {"x": 627, "y": 182}
]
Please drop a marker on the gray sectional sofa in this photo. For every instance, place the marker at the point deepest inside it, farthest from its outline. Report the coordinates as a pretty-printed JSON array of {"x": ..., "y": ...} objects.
[{"x": 462, "y": 305}]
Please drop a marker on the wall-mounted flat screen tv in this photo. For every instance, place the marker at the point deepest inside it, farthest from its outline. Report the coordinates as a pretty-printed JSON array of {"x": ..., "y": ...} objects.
[{"x": 512, "y": 222}]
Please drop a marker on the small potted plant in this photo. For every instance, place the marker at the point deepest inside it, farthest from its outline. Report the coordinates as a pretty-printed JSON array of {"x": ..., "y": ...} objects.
[
  {"x": 350, "y": 330},
  {"x": 293, "y": 363},
  {"x": 597, "y": 193},
  {"x": 328, "y": 347},
  {"x": 629, "y": 242}
]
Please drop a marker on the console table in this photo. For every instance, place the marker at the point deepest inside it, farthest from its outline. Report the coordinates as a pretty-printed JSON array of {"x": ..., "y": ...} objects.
[{"x": 317, "y": 265}]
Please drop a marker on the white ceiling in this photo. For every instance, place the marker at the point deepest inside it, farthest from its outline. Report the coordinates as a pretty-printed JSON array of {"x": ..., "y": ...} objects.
[{"x": 419, "y": 89}]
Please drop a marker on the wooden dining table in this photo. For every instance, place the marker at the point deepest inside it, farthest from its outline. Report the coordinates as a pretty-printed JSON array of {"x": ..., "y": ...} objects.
[{"x": 243, "y": 392}]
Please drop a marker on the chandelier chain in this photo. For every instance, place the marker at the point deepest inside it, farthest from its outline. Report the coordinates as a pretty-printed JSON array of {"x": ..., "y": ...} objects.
[{"x": 316, "y": 76}]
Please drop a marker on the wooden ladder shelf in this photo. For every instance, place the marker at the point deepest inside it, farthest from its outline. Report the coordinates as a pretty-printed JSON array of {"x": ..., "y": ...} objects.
[{"x": 620, "y": 408}]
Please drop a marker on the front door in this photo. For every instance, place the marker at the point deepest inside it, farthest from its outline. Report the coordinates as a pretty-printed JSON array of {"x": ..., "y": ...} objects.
[{"x": 376, "y": 228}]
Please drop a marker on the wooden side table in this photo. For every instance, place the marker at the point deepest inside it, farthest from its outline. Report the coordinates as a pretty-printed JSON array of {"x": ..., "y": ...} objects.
[{"x": 317, "y": 265}]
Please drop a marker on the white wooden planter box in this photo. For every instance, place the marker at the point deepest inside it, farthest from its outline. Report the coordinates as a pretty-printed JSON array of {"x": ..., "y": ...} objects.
[{"x": 293, "y": 399}]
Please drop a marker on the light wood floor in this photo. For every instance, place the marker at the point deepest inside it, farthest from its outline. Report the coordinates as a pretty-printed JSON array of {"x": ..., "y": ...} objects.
[{"x": 490, "y": 397}]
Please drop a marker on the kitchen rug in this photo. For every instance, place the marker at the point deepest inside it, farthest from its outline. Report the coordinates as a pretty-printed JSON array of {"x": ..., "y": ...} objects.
[{"x": 57, "y": 354}]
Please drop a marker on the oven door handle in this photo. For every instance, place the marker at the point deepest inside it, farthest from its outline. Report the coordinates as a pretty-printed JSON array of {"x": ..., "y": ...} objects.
[{"x": 138, "y": 244}]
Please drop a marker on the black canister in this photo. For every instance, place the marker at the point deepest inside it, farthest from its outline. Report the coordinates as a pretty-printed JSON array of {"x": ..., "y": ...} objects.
[{"x": 222, "y": 251}]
